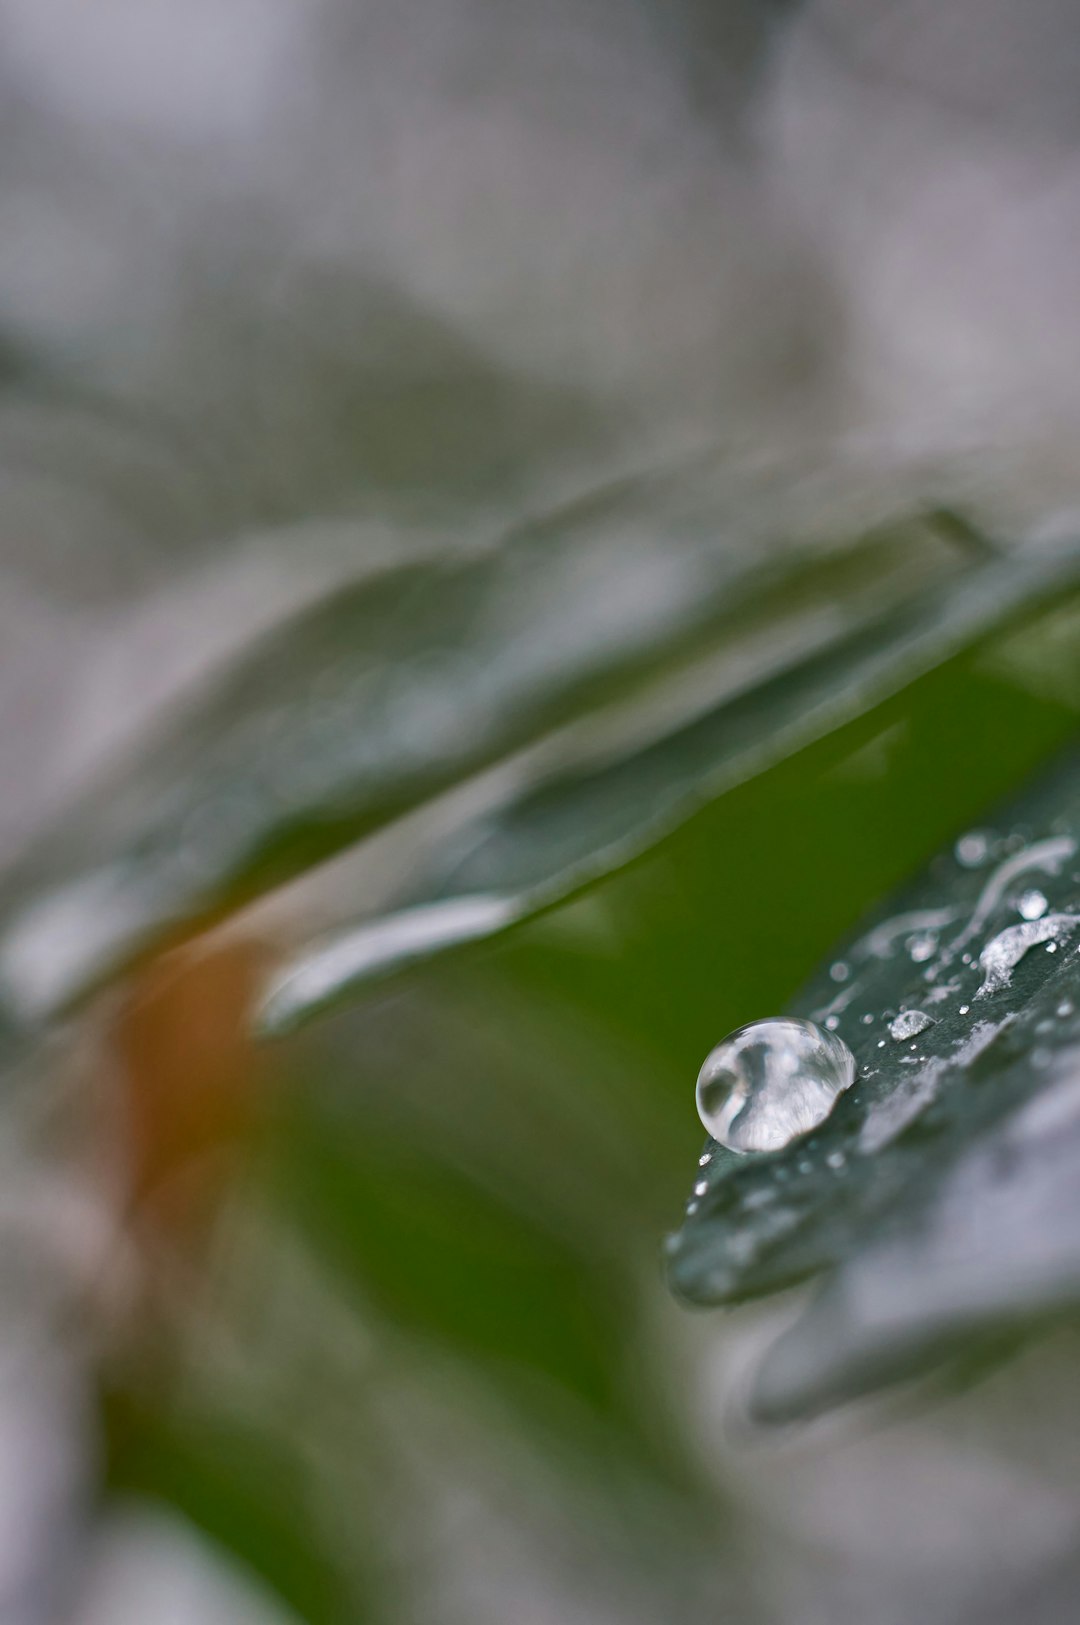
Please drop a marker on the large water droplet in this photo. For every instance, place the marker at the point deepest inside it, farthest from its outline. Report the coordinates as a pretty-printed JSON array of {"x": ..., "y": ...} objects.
[
  {"x": 1032, "y": 905},
  {"x": 770, "y": 1082}
]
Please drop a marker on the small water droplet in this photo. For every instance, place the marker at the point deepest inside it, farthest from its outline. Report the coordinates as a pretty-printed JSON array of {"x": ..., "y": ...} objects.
[
  {"x": 836, "y": 1159},
  {"x": 973, "y": 849},
  {"x": 832, "y": 1022},
  {"x": 692, "y": 1207},
  {"x": 840, "y": 971},
  {"x": 867, "y": 1020},
  {"x": 908, "y": 1023},
  {"x": 921, "y": 947},
  {"x": 1032, "y": 904},
  {"x": 770, "y": 1082},
  {"x": 701, "y": 1187},
  {"x": 964, "y": 1008},
  {"x": 704, "y": 1160},
  {"x": 1065, "y": 1008},
  {"x": 1005, "y": 951},
  {"x": 881, "y": 1043},
  {"x": 805, "y": 1166},
  {"x": 967, "y": 959}
]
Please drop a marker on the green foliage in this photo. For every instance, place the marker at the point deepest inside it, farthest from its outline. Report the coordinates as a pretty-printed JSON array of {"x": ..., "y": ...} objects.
[{"x": 938, "y": 1190}]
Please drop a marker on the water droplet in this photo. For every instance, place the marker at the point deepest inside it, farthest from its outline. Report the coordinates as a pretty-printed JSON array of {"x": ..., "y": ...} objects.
[
  {"x": 1005, "y": 951},
  {"x": 964, "y": 1008},
  {"x": 805, "y": 1166},
  {"x": 921, "y": 947},
  {"x": 836, "y": 1159},
  {"x": 973, "y": 849},
  {"x": 881, "y": 1043},
  {"x": 868, "y": 1019},
  {"x": 1051, "y": 947},
  {"x": 908, "y": 1023},
  {"x": 704, "y": 1160},
  {"x": 701, "y": 1187},
  {"x": 832, "y": 1022},
  {"x": 840, "y": 971},
  {"x": 1065, "y": 1008},
  {"x": 770, "y": 1082},
  {"x": 692, "y": 1207},
  {"x": 1032, "y": 904}
]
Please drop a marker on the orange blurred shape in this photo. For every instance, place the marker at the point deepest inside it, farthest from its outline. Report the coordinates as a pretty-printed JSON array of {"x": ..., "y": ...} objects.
[{"x": 190, "y": 1076}]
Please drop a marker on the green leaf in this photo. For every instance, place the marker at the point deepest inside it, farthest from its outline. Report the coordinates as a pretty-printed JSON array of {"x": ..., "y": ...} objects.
[
  {"x": 942, "y": 1191},
  {"x": 386, "y": 694},
  {"x": 541, "y": 847}
]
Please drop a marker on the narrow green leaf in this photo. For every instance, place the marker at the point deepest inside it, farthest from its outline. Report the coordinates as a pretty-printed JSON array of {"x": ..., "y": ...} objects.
[
  {"x": 383, "y": 696},
  {"x": 539, "y": 849}
]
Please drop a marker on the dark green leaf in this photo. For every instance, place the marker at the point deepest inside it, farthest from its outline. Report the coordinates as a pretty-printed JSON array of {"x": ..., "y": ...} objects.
[
  {"x": 383, "y": 696},
  {"x": 942, "y": 1189},
  {"x": 540, "y": 848}
]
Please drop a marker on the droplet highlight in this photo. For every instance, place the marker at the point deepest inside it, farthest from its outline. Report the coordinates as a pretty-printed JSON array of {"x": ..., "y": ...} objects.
[
  {"x": 772, "y": 1081},
  {"x": 1032, "y": 905}
]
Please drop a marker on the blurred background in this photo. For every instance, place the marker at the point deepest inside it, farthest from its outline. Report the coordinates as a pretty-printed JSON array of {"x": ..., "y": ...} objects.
[{"x": 674, "y": 321}]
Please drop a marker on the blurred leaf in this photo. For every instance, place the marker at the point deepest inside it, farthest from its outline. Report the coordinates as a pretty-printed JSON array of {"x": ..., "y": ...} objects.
[
  {"x": 387, "y": 693},
  {"x": 944, "y": 1182},
  {"x": 245, "y": 1489},
  {"x": 538, "y": 849}
]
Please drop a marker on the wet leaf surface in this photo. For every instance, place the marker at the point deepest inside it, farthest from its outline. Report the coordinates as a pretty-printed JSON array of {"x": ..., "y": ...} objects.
[{"x": 942, "y": 1190}]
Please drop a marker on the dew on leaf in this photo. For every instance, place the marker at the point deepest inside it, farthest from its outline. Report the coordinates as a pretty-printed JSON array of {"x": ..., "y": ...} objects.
[
  {"x": 770, "y": 1082},
  {"x": 973, "y": 849},
  {"x": 908, "y": 1023}
]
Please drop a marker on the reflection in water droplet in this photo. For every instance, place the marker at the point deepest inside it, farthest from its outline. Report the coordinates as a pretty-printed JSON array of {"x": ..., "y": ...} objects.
[
  {"x": 973, "y": 849},
  {"x": 1005, "y": 951},
  {"x": 908, "y": 1023},
  {"x": 770, "y": 1082},
  {"x": 1032, "y": 905}
]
